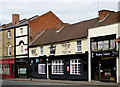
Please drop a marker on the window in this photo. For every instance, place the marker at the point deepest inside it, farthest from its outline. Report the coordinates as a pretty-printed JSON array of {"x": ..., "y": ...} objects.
[
  {"x": 9, "y": 51},
  {"x": 112, "y": 44},
  {"x": 75, "y": 67},
  {"x": 41, "y": 68},
  {"x": 103, "y": 45},
  {"x": 6, "y": 69},
  {"x": 94, "y": 46},
  {"x": 79, "y": 45},
  {"x": 57, "y": 67},
  {"x": 41, "y": 50},
  {"x": 21, "y": 48},
  {"x": 21, "y": 31},
  {"x": 9, "y": 34},
  {"x": 1, "y": 69}
]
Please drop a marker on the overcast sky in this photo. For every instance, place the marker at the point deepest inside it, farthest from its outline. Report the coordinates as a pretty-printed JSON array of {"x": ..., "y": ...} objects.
[{"x": 69, "y": 11}]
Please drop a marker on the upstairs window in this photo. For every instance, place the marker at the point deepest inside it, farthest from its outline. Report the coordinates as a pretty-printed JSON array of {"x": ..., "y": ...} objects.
[
  {"x": 21, "y": 31},
  {"x": 79, "y": 47},
  {"x": 41, "y": 50},
  {"x": 9, "y": 34},
  {"x": 9, "y": 51}
]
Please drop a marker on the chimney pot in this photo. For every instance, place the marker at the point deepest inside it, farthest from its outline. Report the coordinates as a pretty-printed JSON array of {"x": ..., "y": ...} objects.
[{"x": 15, "y": 19}]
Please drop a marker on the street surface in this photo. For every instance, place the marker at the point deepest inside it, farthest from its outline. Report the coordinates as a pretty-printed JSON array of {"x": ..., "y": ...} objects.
[{"x": 9, "y": 83}]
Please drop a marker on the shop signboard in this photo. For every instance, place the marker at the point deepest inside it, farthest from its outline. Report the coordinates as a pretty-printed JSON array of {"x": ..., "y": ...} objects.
[{"x": 105, "y": 54}]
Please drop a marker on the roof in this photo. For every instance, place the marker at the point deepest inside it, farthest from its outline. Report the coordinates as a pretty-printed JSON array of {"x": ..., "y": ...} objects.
[
  {"x": 68, "y": 32},
  {"x": 44, "y": 22},
  {"x": 75, "y": 31},
  {"x": 112, "y": 18}
]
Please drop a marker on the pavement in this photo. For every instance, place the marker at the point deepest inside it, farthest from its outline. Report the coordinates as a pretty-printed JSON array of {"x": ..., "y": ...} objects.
[{"x": 93, "y": 83}]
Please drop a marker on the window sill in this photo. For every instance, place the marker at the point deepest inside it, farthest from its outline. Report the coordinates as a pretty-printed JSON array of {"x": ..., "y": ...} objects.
[
  {"x": 57, "y": 74},
  {"x": 78, "y": 52}
]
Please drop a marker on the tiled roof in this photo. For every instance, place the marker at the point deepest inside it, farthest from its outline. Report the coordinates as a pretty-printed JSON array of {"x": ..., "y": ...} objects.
[
  {"x": 69, "y": 32},
  {"x": 75, "y": 31},
  {"x": 112, "y": 18},
  {"x": 44, "y": 22}
]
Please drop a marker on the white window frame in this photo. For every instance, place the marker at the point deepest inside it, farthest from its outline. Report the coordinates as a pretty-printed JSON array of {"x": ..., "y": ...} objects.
[
  {"x": 39, "y": 69},
  {"x": 9, "y": 51},
  {"x": 21, "y": 31},
  {"x": 41, "y": 50},
  {"x": 78, "y": 46},
  {"x": 75, "y": 63},
  {"x": 59, "y": 65},
  {"x": 9, "y": 34}
]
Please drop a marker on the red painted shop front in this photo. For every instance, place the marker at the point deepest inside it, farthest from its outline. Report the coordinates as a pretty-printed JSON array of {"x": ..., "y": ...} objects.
[{"x": 7, "y": 68}]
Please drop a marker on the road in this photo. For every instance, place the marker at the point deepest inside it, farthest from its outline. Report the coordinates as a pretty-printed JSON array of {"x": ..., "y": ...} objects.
[{"x": 8, "y": 83}]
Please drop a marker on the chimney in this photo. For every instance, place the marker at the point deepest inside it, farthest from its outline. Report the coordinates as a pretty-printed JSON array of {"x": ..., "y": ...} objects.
[
  {"x": 103, "y": 14},
  {"x": 15, "y": 19}
]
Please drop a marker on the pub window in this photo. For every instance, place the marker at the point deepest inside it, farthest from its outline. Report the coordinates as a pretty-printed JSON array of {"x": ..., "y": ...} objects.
[
  {"x": 9, "y": 34},
  {"x": 112, "y": 44},
  {"x": 75, "y": 67},
  {"x": 57, "y": 67},
  {"x": 41, "y": 50},
  {"x": 41, "y": 68},
  {"x": 79, "y": 48}
]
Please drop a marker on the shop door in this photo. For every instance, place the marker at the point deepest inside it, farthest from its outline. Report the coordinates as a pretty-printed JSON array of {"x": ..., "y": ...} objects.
[{"x": 107, "y": 69}]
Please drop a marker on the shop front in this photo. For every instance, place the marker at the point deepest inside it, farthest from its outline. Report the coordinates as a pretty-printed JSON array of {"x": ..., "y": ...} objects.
[
  {"x": 21, "y": 68},
  {"x": 38, "y": 67},
  {"x": 68, "y": 67},
  {"x": 104, "y": 66},
  {"x": 7, "y": 68},
  {"x": 103, "y": 58}
]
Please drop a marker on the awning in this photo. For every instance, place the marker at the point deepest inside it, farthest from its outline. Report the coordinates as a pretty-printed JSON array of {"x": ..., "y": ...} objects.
[{"x": 118, "y": 39}]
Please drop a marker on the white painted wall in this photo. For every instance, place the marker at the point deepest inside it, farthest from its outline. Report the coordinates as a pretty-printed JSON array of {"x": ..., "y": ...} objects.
[
  {"x": 18, "y": 50},
  {"x": 24, "y": 39},
  {"x": 60, "y": 50},
  {"x": 18, "y": 32}
]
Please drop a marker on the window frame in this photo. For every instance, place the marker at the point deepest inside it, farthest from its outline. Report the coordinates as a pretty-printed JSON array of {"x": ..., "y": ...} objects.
[
  {"x": 41, "y": 51},
  {"x": 9, "y": 51},
  {"x": 60, "y": 67},
  {"x": 42, "y": 68},
  {"x": 21, "y": 31},
  {"x": 78, "y": 45},
  {"x": 78, "y": 72},
  {"x": 9, "y": 34}
]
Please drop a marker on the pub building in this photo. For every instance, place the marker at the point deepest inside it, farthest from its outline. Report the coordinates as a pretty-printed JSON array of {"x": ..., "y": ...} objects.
[{"x": 65, "y": 52}]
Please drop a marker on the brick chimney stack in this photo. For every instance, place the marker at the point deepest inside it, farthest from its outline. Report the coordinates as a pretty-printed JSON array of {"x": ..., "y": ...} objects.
[
  {"x": 15, "y": 19},
  {"x": 103, "y": 14}
]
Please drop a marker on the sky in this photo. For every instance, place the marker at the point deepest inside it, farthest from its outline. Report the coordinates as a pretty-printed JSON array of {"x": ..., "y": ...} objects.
[{"x": 69, "y": 11}]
